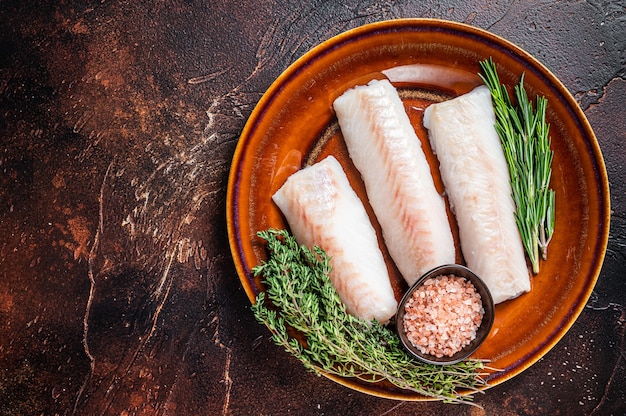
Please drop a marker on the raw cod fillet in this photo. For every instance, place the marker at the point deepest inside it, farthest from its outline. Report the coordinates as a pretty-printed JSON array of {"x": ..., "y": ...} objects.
[
  {"x": 322, "y": 209},
  {"x": 475, "y": 175},
  {"x": 385, "y": 149}
]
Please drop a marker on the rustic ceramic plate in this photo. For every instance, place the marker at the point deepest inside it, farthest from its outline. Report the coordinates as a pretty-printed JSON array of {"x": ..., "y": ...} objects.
[{"x": 428, "y": 60}]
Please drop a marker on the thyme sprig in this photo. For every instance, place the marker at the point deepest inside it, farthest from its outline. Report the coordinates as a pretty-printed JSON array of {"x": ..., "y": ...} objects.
[
  {"x": 526, "y": 143},
  {"x": 328, "y": 340}
]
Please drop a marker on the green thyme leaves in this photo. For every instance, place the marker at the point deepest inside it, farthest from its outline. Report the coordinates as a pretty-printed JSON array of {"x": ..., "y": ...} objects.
[
  {"x": 523, "y": 132},
  {"x": 300, "y": 296}
]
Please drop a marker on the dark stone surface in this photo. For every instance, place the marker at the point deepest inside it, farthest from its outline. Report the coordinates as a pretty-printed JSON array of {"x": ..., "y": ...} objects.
[{"x": 118, "y": 121}]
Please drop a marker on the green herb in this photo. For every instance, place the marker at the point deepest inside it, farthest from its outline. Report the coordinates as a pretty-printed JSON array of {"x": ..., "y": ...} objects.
[
  {"x": 328, "y": 340},
  {"x": 524, "y": 136}
]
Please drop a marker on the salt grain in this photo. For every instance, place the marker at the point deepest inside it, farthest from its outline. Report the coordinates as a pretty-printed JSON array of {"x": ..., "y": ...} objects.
[{"x": 443, "y": 315}]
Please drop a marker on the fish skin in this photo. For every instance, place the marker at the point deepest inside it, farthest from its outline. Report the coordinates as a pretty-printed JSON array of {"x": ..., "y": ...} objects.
[
  {"x": 387, "y": 152},
  {"x": 323, "y": 210},
  {"x": 476, "y": 178}
]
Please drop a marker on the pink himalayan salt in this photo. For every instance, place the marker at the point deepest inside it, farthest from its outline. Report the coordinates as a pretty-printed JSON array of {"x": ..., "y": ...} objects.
[{"x": 443, "y": 315}]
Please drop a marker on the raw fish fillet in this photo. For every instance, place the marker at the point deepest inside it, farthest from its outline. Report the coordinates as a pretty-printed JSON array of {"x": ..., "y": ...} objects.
[
  {"x": 385, "y": 149},
  {"x": 476, "y": 178},
  {"x": 322, "y": 209}
]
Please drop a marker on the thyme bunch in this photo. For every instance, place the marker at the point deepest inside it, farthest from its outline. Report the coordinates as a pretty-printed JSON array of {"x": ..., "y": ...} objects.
[
  {"x": 334, "y": 342},
  {"x": 523, "y": 132}
]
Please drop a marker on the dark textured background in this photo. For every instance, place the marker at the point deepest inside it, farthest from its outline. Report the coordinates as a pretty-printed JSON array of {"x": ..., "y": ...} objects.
[{"x": 118, "y": 121}]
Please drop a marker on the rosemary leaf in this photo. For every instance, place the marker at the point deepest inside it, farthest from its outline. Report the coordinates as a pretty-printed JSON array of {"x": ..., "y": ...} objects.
[
  {"x": 300, "y": 296},
  {"x": 524, "y": 134}
]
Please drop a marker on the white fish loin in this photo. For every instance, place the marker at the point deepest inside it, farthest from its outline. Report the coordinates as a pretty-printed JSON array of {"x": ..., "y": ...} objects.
[
  {"x": 322, "y": 209},
  {"x": 387, "y": 152},
  {"x": 475, "y": 175}
]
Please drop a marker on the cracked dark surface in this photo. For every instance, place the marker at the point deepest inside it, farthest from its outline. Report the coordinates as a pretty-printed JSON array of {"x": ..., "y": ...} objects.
[{"x": 118, "y": 123}]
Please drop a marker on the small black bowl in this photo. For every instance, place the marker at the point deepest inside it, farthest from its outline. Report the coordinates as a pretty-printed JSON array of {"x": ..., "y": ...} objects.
[{"x": 481, "y": 333}]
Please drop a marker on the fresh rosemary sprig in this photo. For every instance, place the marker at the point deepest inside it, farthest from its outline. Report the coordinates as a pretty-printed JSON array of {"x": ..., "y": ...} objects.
[
  {"x": 328, "y": 340},
  {"x": 524, "y": 136}
]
